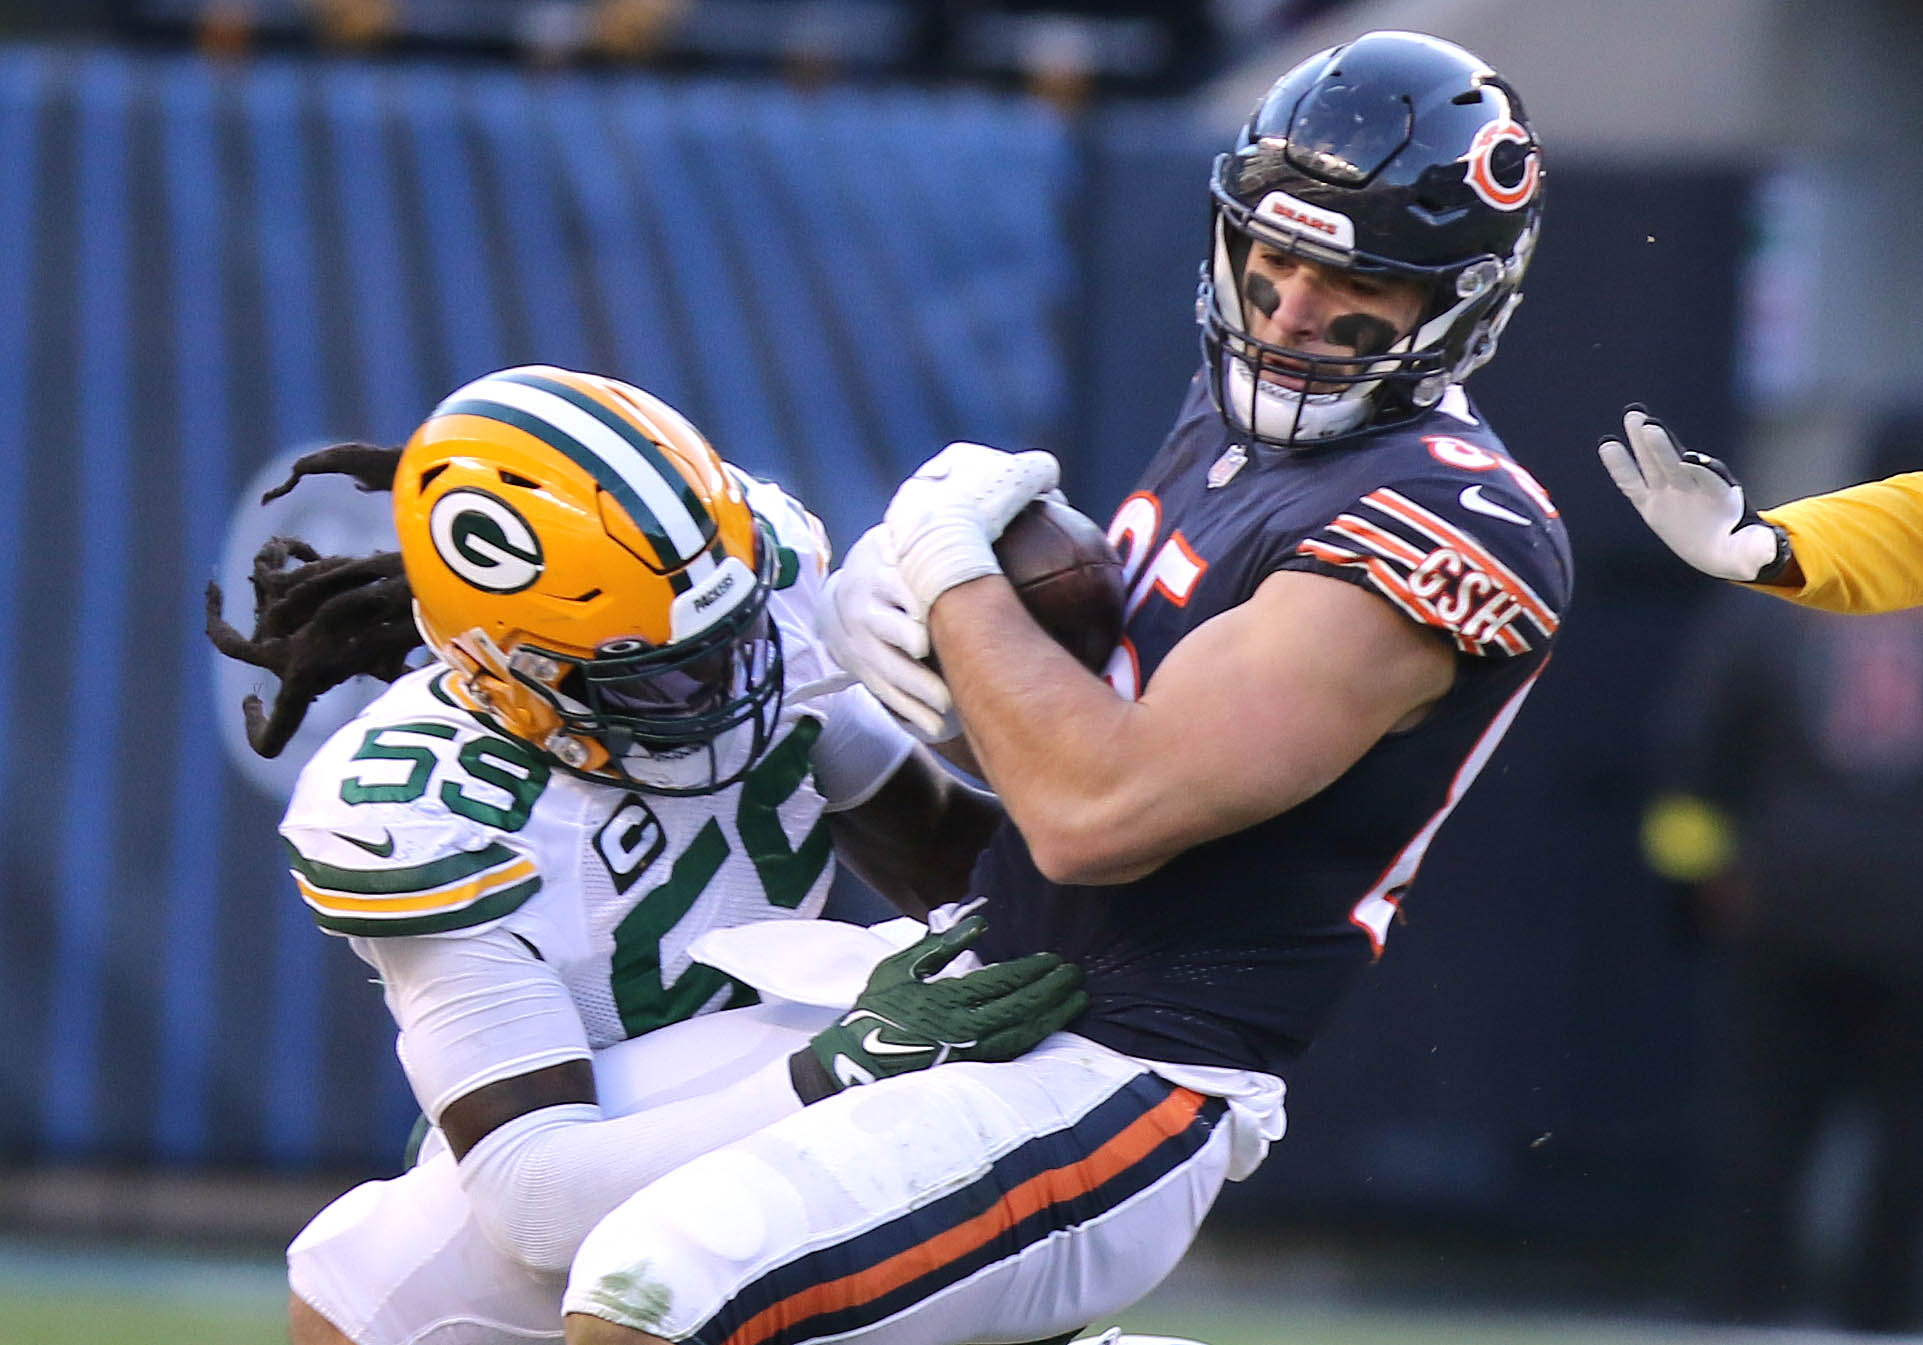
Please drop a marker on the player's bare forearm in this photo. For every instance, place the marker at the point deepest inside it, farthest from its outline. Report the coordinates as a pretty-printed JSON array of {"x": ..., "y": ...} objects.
[
  {"x": 1252, "y": 712},
  {"x": 916, "y": 840},
  {"x": 1042, "y": 727}
]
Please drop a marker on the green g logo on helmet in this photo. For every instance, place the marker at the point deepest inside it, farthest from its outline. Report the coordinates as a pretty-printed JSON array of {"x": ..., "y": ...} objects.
[{"x": 485, "y": 541}]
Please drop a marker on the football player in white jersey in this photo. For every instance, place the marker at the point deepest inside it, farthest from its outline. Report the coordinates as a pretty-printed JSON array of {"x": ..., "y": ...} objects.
[{"x": 613, "y": 754}]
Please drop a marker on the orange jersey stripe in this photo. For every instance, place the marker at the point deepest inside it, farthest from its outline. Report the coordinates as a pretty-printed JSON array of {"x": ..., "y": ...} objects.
[
  {"x": 1394, "y": 588},
  {"x": 1390, "y": 584},
  {"x": 1335, "y": 555},
  {"x": 1398, "y": 591},
  {"x": 1135, "y": 1142},
  {"x": 1380, "y": 539},
  {"x": 1401, "y": 507}
]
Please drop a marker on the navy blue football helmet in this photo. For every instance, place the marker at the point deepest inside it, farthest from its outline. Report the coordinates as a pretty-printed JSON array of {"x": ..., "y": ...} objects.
[{"x": 1397, "y": 155}]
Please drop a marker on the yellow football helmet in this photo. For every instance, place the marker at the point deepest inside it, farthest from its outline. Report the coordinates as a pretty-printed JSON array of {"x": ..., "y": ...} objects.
[{"x": 580, "y": 555}]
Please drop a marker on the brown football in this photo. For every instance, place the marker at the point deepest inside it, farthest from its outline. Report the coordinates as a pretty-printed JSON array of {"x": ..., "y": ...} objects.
[{"x": 1068, "y": 576}]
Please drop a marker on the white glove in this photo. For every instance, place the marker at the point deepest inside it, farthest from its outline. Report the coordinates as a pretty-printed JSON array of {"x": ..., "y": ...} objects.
[
  {"x": 1693, "y": 503},
  {"x": 944, "y": 519},
  {"x": 865, "y": 618}
]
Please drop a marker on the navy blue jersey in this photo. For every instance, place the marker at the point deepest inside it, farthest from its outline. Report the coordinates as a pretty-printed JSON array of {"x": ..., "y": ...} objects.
[{"x": 1234, "y": 952}]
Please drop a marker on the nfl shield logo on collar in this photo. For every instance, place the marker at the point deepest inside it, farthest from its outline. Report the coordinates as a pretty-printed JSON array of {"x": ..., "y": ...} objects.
[{"x": 1223, "y": 469}]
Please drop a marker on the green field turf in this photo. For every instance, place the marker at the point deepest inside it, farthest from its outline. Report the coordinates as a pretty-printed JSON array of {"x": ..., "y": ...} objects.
[
  {"x": 66, "y": 1295},
  {"x": 91, "y": 1296},
  {"x": 110, "y": 1318},
  {"x": 34, "y": 1319}
]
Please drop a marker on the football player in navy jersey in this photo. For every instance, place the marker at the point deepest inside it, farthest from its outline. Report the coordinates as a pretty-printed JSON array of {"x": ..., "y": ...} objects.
[{"x": 1342, "y": 588}]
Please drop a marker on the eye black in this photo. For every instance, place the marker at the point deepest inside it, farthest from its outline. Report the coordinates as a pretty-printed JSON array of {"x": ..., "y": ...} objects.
[{"x": 1263, "y": 294}]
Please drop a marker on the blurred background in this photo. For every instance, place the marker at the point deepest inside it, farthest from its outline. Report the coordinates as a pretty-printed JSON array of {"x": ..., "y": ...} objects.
[{"x": 1627, "y": 1072}]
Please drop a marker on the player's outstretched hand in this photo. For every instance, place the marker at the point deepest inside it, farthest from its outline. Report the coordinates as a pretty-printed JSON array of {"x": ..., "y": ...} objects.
[
  {"x": 1693, "y": 502},
  {"x": 866, "y": 619},
  {"x": 904, "y": 1021},
  {"x": 943, "y": 521}
]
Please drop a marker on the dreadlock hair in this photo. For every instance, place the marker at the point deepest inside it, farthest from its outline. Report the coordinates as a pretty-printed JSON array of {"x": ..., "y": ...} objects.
[{"x": 325, "y": 619}]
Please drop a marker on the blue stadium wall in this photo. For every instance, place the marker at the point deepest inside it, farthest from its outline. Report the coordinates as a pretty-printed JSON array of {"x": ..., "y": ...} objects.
[{"x": 206, "y": 269}]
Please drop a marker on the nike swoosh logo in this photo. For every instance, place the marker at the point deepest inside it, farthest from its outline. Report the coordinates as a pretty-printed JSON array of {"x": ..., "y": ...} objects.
[
  {"x": 873, "y": 1042},
  {"x": 381, "y": 849},
  {"x": 874, "y": 1045},
  {"x": 1472, "y": 499}
]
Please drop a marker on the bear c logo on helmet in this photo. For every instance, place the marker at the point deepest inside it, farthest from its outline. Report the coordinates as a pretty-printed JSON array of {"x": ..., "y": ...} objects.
[{"x": 1479, "y": 165}]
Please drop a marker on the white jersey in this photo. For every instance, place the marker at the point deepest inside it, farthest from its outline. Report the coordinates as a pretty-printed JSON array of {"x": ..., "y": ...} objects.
[{"x": 418, "y": 818}]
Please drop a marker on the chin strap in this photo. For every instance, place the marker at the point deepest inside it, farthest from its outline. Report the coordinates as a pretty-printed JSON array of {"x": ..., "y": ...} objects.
[{"x": 1310, "y": 419}]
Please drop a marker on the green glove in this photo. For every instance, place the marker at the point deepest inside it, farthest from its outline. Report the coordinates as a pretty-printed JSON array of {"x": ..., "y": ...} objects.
[{"x": 905, "y": 1022}]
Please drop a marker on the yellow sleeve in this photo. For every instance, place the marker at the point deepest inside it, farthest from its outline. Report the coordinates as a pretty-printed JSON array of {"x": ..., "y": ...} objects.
[{"x": 1860, "y": 548}]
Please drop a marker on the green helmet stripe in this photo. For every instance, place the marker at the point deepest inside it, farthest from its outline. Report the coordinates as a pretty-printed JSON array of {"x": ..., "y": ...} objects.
[
  {"x": 649, "y": 451},
  {"x": 576, "y": 452},
  {"x": 622, "y": 461}
]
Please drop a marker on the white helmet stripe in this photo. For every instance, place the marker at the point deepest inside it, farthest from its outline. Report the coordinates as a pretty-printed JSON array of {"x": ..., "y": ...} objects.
[{"x": 613, "y": 461}]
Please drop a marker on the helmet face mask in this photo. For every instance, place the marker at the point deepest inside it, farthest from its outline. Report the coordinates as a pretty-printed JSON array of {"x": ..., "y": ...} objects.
[
  {"x": 1337, "y": 392},
  {"x": 689, "y": 717},
  {"x": 1399, "y": 158},
  {"x": 590, "y": 568}
]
